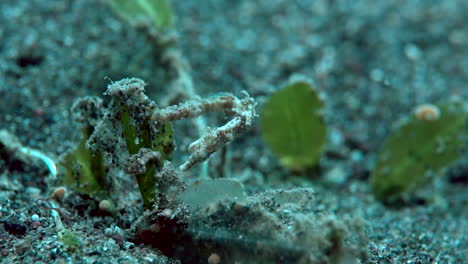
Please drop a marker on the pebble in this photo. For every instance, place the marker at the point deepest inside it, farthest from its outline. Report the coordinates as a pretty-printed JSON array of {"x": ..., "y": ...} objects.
[
  {"x": 35, "y": 217},
  {"x": 214, "y": 259},
  {"x": 33, "y": 191},
  {"x": 35, "y": 224},
  {"x": 377, "y": 75},
  {"x": 337, "y": 175},
  {"x": 105, "y": 205},
  {"x": 458, "y": 37},
  {"x": 108, "y": 232},
  {"x": 128, "y": 245},
  {"x": 59, "y": 193},
  {"x": 412, "y": 51},
  {"x": 356, "y": 156},
  {"x": 336, "y": 137}
]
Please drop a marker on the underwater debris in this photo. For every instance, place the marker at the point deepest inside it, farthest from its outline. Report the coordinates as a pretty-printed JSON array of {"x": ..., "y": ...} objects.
[
  {"x": 68, "y": 238},
  {"x": 156, "y": 20},
  {"x": 139, "y": 12},
  {"x": 15, "y": 156},
  {"x": 214, "y": 259},
  {"x": 130, "y": 112},
  {"x": 260, "y": 229},
  {"x": 209, "y": 215},
  {"x": 428, "y": 142},
  {"x": 107, "y": 206},
  {"x": 83, "y": 169},
  {"x": 205, "y": 193},
  {"x": 428, "y": 112},
  {"x": 122, "y": 129},
  {"x": 242, "y": 110},
  {"x": 292, "y": 125},
  {"x": 59, "y": 193},
  {"x": 137, "y": 137}
]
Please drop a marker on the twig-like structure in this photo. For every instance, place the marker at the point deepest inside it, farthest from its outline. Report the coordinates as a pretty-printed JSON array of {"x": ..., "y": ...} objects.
[
  {"x": 243, "y": 111},
  {"x": 183, "y": 86},
  {"x": 16, "y": 152}
]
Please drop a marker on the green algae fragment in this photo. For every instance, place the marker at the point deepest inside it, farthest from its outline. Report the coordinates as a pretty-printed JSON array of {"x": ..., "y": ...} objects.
[
  {"x": 69, "y": 239},
  {"x": 293, "y": 127},
  {"x": 84, "y": 170},
  {"x": 157, "y": 12},
  {"x": 419, "y": 149}
]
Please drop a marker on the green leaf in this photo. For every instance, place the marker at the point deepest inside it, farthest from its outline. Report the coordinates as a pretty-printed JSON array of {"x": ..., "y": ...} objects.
[
  {"x": 84, "y": 170},
  {"x": 158, "y": 12},
  {"x": 293, "y": 127},
  {"x": 419, "y": 149},
  {"x": 69, "y": 239}
]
